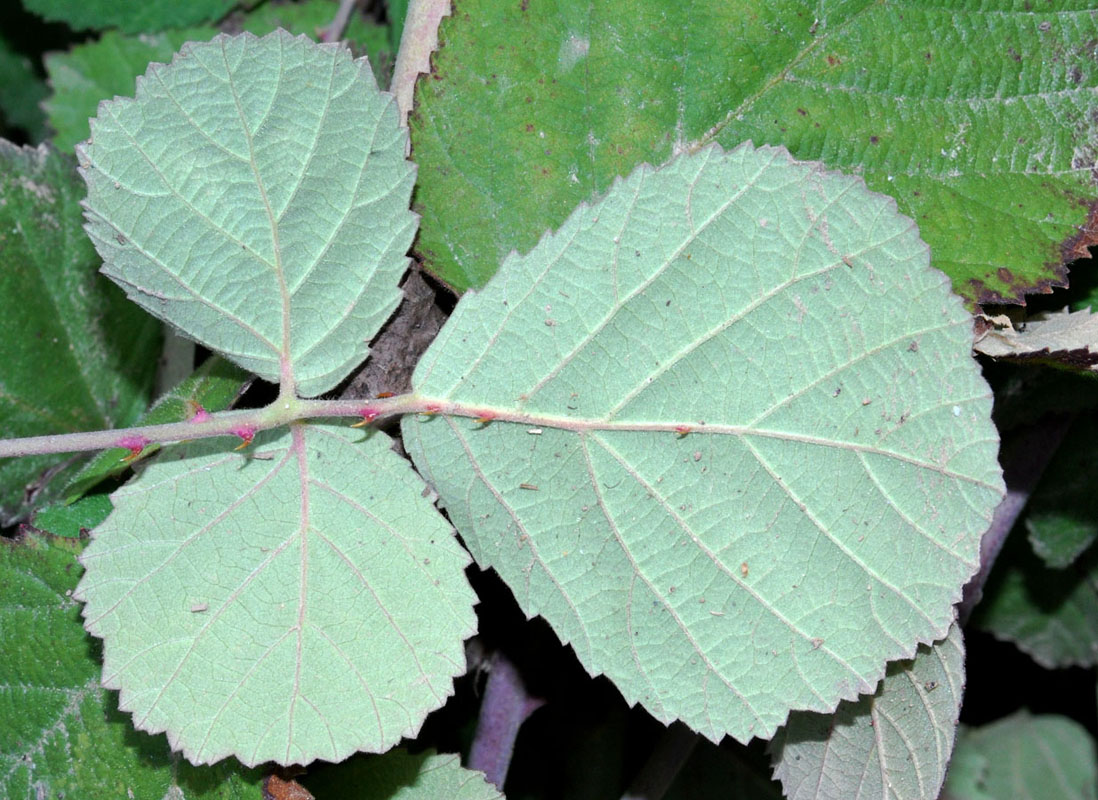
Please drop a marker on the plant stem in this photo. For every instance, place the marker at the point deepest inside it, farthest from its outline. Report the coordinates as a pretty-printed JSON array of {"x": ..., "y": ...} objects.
[
  {"x": 506, "y": 705},
  {"x": 1024, "y": 460},
  {"x": 668, "y": 757},
  {"x": 417, "y": 42},
  {"x": 334, "y": 31}
]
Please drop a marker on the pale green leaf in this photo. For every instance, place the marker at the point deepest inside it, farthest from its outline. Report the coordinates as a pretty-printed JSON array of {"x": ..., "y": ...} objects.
[
  {"x": 74, "y": 354},
  {"x": 894, "y": 744},
  {"x": 61, "y": 734},
  {"x": 255, "y": 195},
  {"x": 976, "y": 117},
  {"x": 742, "y": 456},
  {"x": 1027, "y": 758},
  {"x": 399, "y": 775},
  {"x": 302, "y": 600}
]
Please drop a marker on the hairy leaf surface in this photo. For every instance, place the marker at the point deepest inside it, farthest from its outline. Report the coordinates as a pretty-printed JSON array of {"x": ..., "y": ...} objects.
[
  {"x": 74, "y": 354},
  {"x": 741, "y": 454},
  {"x": 146, "y": 16},
  {"x": 976, "y": 117},
  {"x": 894, "y": 744},
  {"x": 301, "y": 601},
  {"x": 61, "y": 734},
  {"x": 255, "y": 195}
]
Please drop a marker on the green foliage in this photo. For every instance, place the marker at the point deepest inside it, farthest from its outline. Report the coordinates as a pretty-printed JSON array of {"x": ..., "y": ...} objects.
[
  {"x": 534, "y": 107},
  {"x": 214, "y": 386},
  {"x": 301, "y": 640},
  {"x": 89, "y": 73},
  {"x": 895, "y": 743},
  {"x": 721, "y": 428},
  {"x": 131, "y": 17},
  {"x": 55, "y": 310},
  {"x": 1051, "y": 614},
  {"x": 252, "y": 219},
  {"x": 1063, "y": 512},
  {"x": 20, "y": 93},
  {"x": 1025, "y": 756},
  {"x": 61, "y": 734},
  {"x": 675, "y": 536},
  {"x": 399, "y": 775}
]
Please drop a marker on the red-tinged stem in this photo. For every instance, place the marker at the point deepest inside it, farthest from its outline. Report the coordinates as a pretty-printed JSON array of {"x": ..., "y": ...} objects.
[{"x": 287, "y": 409}]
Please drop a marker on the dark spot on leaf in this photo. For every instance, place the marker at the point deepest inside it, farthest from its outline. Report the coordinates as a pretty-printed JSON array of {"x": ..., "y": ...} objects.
[
  {"x": 529, "y": 99},
  {"x": 1076, "y": 75},
  {"x": 1014, "y": 54},
  {"x": 832, "y": 60},
  {"x": 529, "y": 127},
  {"x": 802, "y": 112},
  {"x": 873, "y": 140}
]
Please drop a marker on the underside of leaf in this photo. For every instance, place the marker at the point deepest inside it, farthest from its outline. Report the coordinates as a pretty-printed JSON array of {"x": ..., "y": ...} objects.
[
  {"x": 729, "y": 438},
  {"x": 302, "y": 601},
  {"x": 255, "y": 195}
]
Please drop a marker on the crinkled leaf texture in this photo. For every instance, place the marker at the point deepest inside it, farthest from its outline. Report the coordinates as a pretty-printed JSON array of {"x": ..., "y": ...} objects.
[
  {"x": 742, "y": 455},
  {"x": 301, "y": 601},
  {"x": 255, "y": 194},
  {"x": 894, "y": 744}
]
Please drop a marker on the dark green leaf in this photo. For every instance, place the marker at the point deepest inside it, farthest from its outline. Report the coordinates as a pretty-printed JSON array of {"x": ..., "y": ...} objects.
[
  {"x": 75, "y": 354},
  {"x": 61, "y": 735},
  {"x": 1062, "y": 518},
  {"x": 147, "y": 16},
  {"x": 99, "y": 70},
  {"x": 1050, "y": 614},
  {"x": 21, "y": 91},
  {"x": 962, "y": 113}
]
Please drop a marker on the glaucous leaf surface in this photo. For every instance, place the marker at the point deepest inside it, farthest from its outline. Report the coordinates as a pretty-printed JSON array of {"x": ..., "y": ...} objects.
[
  {"x": 1027, "y": 758},
  {"x": 147, "y": 16},
  {"x": 298, "y": 601},
  {"x": 255, "y": 195},
  {"x": 214, "y": 386},
  {"x": 1050, "y": 614},
  {"x": 98, "y": 70},
  {"x": 399, "y": 775},
  {"x": 74, "y": 354},
  {"x": 893, "y": 744},
  {"x": 61, "y": 734},
  {"x": 741, "y": 454},
  {"x": 956, "y": 110}
]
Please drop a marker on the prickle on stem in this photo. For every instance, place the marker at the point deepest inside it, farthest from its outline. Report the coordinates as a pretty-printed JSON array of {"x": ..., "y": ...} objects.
[
  {"x": 369, "y": 414},
  {"x": 484, "y": 417},
  {"x": 431, "y": 409},
  {"x": 246, "y": 434},
  {"x": 682, "y": 430},
  {"x": 196, "y": 413},
  {"x": 135, "y": 444}
]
